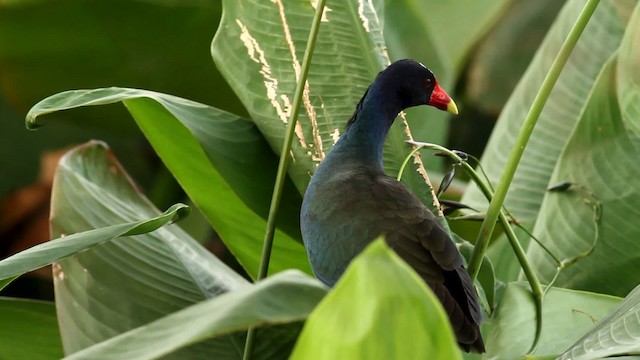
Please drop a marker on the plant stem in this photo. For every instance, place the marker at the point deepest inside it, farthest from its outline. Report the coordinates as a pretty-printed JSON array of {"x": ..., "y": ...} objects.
[
  {"x": 489, "y": 223},
  {"x": 284, "y": 162},
  {"x": 532, "y": 278},
  {"x": 418, "y": 146}
]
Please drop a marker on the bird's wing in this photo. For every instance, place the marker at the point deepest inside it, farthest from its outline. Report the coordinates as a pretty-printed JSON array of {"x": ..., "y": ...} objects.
[
  {"x": 416, "y": 235},
  {"x": 411, "y": 223},
  {"x": 361, "y": 205}
]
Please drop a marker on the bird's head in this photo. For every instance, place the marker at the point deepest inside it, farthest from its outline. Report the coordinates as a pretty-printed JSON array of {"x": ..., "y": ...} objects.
[
  {"x": 416, "y": 85},
  {"x": 403, "y": 84}
]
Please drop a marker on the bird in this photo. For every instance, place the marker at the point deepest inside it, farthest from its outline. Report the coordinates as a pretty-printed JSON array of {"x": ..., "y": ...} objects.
[{"x": 350, "y": 201}]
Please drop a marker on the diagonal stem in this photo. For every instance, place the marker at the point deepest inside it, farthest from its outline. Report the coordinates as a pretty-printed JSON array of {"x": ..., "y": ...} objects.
[
  {"x": 489, "y": 223},
  {"x": 530, "y": 274},
  {"x": 284, "y": 162}
]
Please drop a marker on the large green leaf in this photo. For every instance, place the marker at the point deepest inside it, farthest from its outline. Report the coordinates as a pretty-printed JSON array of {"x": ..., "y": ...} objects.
[
  {"x": 283, "y": 298},
  {"x": 601, "y": 157},
  {"x": 617, "y": 334},
  {"x": 628, "y": 76},
  {"x": 67, "y": 245},
  {"x": 379, "y": 309},
  {"x": 599, "y": 41},
  {"x": 29, "y": 330},
  {"x": 566, "y": 316},
  {"x": 124, "y": 283},
  {"x": 259, "y": 47},
  {"x": 210, "y": 152}
]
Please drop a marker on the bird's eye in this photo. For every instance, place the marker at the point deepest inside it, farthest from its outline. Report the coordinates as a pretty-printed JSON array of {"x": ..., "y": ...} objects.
[{"x": 428, "y": 82}]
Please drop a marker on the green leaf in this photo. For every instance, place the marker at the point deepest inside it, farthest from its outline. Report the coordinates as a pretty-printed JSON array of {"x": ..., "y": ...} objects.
[
  {"x": 566, "y": 224},
  {"x": 566, "y": 315},
  {"x": 628, "y": 75},
  {"x": 125, "y": 283},
  {"x": 599, "y": 41},
  {"x": 67, "y": 245},
  {"x": 283, "y": 298},
  {"x": 209, "y": 152},
  {"x": 258, "y": 48},
  {"x": 379, "y": 309},
  {"x": 29, "y": 330},
  {"x": 616, "y": 334}
]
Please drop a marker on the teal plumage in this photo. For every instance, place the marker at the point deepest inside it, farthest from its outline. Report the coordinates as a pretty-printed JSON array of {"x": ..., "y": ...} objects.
[{"x": 350, "y": 201}]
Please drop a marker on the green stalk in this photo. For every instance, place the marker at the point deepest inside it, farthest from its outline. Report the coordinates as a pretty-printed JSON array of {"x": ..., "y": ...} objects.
[
  {"x": 504, "y": 222},
  {"x": 532, "y": 277},
  {"x": 284, "y": 162},
  {"x": 489, "y": 223}
]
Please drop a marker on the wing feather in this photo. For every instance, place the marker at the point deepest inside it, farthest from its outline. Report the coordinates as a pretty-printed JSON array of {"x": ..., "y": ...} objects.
[{"x": 372, "y": 204}]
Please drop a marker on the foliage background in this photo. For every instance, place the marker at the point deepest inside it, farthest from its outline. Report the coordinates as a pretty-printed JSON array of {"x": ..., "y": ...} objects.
[
  {"x": 162, "y": 46},
  {"x": 479, "y": 55}
]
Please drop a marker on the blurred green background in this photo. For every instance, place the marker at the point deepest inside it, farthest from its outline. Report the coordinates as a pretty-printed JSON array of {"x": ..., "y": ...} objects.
[{"x": 164, "y": 45}]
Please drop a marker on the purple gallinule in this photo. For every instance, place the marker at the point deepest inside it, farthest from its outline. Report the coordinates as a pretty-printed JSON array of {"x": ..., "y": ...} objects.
[{"x": 350, "y": 201}]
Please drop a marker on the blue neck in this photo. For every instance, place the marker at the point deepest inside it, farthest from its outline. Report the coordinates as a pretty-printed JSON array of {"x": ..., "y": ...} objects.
[{"x": 363, "y": 141}]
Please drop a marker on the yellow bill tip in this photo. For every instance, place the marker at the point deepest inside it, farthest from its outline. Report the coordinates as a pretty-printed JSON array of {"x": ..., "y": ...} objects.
[{"x": 452, "y": 108}]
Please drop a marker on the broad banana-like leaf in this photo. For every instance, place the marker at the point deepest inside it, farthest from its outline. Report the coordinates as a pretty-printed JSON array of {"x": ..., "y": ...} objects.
[
  {"x": 70, "y": 244},
  {"x": 600, "y": 157},
  {"x": 566, "y": 316},
  {"x": 259, "y": 48},
  {"x": 598, "y": 43},
  {"x": 280, "y": 299},
  {"x": 617, "y": 334},
  {"x": 210, "y": 152},
  {"x": 127, "y": 282},
  {"x": 600, "y": 40}
]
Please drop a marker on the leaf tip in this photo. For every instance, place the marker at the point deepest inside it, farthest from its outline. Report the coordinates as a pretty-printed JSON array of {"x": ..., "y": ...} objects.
[
  {"x": 30, "y": 122},
  {"x": 181, "y": 211}
]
